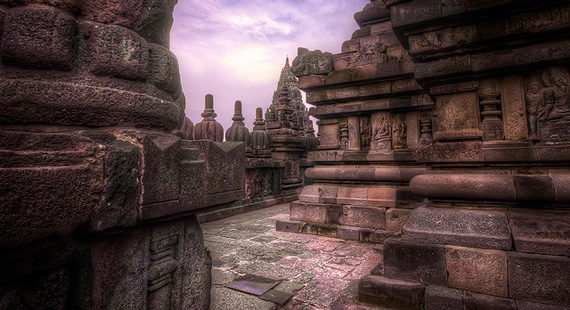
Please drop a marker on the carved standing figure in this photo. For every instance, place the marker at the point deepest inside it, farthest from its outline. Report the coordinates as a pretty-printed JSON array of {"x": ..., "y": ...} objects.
[
  {"x": 364, "y": 132},
  {"x": 534, "y": 106},
  {"x": 556, "y": 95},
  {"x": 399, "y": 134}
]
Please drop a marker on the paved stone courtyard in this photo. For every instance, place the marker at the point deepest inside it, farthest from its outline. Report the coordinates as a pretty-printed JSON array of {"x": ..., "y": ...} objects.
[{"x": 320, "y": 272}]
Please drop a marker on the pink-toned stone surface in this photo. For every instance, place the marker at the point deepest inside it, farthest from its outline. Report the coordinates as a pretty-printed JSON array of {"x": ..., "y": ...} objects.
[
  {"x": 320, "y": 272},
  {"x": 482, "y": 271}
]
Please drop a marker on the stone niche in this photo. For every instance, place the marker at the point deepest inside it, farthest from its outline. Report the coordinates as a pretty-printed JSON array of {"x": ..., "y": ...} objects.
[{"x": 98, "y": 199}]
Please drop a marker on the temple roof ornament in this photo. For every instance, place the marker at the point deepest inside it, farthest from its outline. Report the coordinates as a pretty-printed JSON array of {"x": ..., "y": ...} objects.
[
  {"x": 209, "y": 128},
  {"x": 238, "y": 132}
]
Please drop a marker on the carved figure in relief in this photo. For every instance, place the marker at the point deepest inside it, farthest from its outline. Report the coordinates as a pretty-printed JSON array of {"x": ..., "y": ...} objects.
[
  {"x": 534, "y": 106},
  {"x": 382, "y": 127},
  {"x": 311, "y": 62},
  {"x": 370, "y": 52},
  {"x": 399, "y": 134},
  {"x": 556, "y": 95},
  {"x": 364, "y": 132}
]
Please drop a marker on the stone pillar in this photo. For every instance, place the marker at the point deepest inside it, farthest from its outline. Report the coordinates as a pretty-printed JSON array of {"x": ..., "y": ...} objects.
[
  {"x": 98, "y": 198},
  {"x": 495, "y": 229}
]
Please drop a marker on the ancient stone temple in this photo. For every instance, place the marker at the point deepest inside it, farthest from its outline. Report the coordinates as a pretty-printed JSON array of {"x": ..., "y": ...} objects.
[
  {"x": 369, "y": 109},
  {"x": 287, "y": 121},
  {"x": 98, "y": 199},
  {"x": 443, "y": 129}
]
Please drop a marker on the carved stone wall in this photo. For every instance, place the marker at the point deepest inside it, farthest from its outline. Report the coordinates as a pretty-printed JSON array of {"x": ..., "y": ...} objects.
[
  {"x": 369, "y": 109},
  {"x": 495, "y": 219},
  {"x": 98, "y": 198}
]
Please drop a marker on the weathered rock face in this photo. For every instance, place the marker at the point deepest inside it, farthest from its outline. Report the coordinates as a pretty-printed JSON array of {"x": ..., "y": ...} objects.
[{"x": 97, "y": 197}]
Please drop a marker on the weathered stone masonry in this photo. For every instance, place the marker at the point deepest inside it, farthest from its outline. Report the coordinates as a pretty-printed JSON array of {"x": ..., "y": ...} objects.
[
  {"x": 488, "y": 85},
  {"x": 98, "y": 199}
]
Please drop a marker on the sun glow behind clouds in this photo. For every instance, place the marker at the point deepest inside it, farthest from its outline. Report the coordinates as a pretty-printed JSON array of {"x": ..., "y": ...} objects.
[{"x": 235, "y": 49}]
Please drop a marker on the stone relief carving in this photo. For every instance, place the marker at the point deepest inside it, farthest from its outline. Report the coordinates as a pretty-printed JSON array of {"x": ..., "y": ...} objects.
[
  {"x": 547, "y": 97},
  {"x": 369, "y": 51},
  {"x": 162, "y": 265},
  {"x": 311, "y": 62},
  {"x": 364, "y": 131},
  {"x": 491, "y": 123},
  {"x": 534, "y": 106},
  {"x": 399, "y": 133},
  {"x": 426, "y": 136},
  {"x": 381, "y": 130},
  {"x": 555, "y": 118}
]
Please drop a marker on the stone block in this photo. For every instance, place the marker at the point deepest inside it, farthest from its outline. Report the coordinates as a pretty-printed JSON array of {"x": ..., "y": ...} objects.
[
  {"x": 225, "y": 169},
  {"x": 310, "y": 81},
  {"x": 534, "y": 188},
  {"x": 312, "y": 212},
  {"x": 392, "y": 293},
  {"x": 476, "y": 270},
  {"x": 348, "y": 233},
  {"x": 526, "y": 305},
  {"x": 396, "y": 218},
  {"x": 352, "y": 195},
  {"x": 382, "y": 196},
  {"x": 417, "y": 262},
  {"x": 539, "y": 278},
  {"x": 541, "y": 231},
  {"x": 480, "y": 301},
  {"x": 161, "y": 168},
  {"x": 362, "y": 216},
  {"x": 288, "y": 226},
  {"x": 472, "y": 228},
  {"x": 117, "y": 51},
  {"x": 308, "y": 212},
  {"x": 465, "y": 186},
  {"x": 39, "y": 37},
  {"x": 443, "y": 298},
  {"x": 126, "y": 13},
  {"x": 163, "y": 69}
]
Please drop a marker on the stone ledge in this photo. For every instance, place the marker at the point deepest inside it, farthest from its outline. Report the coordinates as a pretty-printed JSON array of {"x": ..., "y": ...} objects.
[
  {"x": 391, "y": 293},
  {"x": 487, "y": 229}
]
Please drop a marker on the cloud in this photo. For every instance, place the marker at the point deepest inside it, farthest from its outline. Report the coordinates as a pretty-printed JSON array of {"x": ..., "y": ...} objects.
[{"x": 235, "y": 49}]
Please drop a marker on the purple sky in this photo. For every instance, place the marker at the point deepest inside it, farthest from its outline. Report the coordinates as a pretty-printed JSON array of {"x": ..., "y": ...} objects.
[{"x": 235, "y": 49}]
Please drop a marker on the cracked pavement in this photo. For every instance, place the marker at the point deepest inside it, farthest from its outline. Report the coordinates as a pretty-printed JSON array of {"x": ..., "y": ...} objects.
[{"x": 320, "y": 272}]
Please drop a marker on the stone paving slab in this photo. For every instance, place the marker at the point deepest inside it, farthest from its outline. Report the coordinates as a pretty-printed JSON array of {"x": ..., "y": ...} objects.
[{"x": 320, "y": 272}]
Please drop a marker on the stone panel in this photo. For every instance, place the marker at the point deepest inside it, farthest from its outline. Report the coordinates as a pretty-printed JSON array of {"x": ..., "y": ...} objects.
[
  {"x": 482, "y": 271},
  {"x": 473, "y": 228},
  {"x": 363, "y": 216},
  {"x": 457, "y": 117},
  {"x": 514, "y": 108},
  {"x": 415, "y": 262},
  {"x": 539, "y": 278}
]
